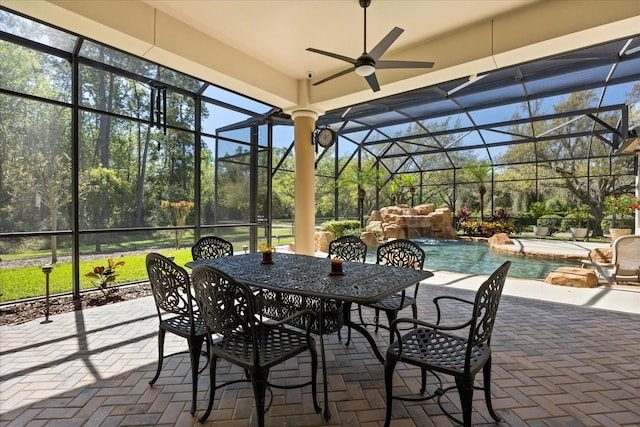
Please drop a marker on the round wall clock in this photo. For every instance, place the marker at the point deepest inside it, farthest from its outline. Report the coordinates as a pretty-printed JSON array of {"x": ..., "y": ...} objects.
[{"x": 325, "y": 137}]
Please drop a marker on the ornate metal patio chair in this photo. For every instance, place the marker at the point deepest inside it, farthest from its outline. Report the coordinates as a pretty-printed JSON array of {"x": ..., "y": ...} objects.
[
  {"x": 348, "y": 248},
  {"x": 398, "y": 253},
  {"x": 445, "y": 349},
  {"x": 211, "y": 247},
  {"x": 230, "y": 313},
  {"x": 172, "y": 295}
]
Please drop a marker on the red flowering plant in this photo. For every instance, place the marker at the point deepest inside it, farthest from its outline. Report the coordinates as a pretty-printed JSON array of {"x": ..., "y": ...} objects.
[{"x": 104, "y": 275}]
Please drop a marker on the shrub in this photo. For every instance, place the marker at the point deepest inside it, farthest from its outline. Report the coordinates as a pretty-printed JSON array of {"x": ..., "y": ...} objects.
[
  {"x": 341, "y": 227},
  {"x": 537, "y": 210},
  {"x": 520, "y": 221},
  {"x": 486, "y": 228},
  {"x": 463, "y": 214},
  {"x": 554, "y": 222}
]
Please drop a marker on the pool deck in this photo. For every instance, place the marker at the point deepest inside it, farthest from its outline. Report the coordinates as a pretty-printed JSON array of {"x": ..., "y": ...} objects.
[
  {"x": 557, "y": 362},
  {"x": 608, "y": 297},
  {"x": 558, "y": 249}
]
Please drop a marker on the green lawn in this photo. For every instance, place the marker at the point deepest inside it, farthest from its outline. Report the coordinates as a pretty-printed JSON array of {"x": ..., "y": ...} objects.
[{"x": 29, "y": 282}]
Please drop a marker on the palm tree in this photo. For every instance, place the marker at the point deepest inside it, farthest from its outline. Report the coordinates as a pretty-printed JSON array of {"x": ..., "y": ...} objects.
[
  {"x": 361, "y": 178},
  {"x": 481, "y": 172},
  {"x": 409, "y": 181},
  {"x": 394, "y": 190}
]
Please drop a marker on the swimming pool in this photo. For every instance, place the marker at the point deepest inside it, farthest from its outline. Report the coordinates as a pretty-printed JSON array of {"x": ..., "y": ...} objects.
[{"x": 458, "y": 256}]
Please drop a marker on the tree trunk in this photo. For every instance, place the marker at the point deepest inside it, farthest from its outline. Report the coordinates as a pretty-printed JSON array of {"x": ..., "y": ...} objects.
[
  {"x": 142, "y": 168},
  {"x": 54, "y": 240}
]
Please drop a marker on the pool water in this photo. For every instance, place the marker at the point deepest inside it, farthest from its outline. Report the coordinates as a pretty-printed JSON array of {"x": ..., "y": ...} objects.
[{"x": 465, "y": 257}]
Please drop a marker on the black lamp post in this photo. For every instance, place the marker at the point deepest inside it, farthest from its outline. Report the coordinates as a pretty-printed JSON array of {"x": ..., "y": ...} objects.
[{"x": 46, "y": 269}]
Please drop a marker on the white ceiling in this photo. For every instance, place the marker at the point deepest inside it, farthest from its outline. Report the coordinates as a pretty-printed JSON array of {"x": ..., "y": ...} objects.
[{"x": 278, "y": 32}]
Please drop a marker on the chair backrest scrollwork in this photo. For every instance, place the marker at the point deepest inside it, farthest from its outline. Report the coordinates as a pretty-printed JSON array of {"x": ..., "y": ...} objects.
[
  {"x": 401, "y": 253},
  {"x": 348, "y": 248},
  {"x": 227, "y": 307},
  {"x": 170, "y": 286},
  {"x": 210, "y": 247}
]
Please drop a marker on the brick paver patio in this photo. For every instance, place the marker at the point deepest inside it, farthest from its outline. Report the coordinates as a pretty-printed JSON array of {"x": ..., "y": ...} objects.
[{"x": 554, "y": 365}]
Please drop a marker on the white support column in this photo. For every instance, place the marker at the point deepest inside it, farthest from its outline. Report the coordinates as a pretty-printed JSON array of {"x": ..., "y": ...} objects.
[{"x": 305, "y": 206}]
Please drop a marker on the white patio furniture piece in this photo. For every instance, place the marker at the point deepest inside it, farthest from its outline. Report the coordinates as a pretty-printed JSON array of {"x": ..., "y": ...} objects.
[{"x": 625, "y": 263}]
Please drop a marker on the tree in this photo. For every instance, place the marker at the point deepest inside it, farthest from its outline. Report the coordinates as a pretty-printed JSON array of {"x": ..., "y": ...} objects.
[
  {"x": 481, "y": 171},
  {"x": 360, "y": 178},
  {"x": 177, "y": 213},
  {"x": 577, "y": 170},
  {"x": 100, "y": 192}
]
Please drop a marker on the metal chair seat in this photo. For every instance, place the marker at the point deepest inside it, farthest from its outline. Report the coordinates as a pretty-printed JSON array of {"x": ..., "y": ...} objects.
[
  {"x": 441, "y": 352},
  {"x": 394, "y": 302},
  {"x": 181, "y": 325},
  {"x": 275, "y": 345}
]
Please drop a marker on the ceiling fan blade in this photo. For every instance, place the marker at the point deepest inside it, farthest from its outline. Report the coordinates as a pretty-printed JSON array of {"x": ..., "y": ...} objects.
[
  {"x": 341, "y": 73},
  {"x": 373, "y": 82},
  {"x": 385, "y": 43},
  {"x": 381, "y": 65},
  {"x": 333, "y": 55}
]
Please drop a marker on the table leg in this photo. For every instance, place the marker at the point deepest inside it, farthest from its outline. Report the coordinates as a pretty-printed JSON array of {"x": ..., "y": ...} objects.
[
  {"x": 367, "y": 335},
  {"x": 327, "y": 413}
]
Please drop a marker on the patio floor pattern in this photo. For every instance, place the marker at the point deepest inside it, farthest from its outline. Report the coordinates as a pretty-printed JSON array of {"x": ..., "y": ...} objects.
[{"x": 554, "y": 365}]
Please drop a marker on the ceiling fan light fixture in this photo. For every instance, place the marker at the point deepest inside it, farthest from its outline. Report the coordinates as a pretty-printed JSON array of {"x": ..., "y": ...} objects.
[{"x": 365, "y": 70}]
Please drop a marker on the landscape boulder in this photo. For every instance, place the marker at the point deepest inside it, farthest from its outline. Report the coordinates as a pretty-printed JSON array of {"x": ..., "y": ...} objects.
[{"x": 572, "y": 276}]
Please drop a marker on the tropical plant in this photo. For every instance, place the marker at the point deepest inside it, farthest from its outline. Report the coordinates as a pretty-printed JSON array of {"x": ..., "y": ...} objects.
[
  {"x": 340, "y": 228},
  {"x": 104, "y": 275},
  {"x": 409, "y": 181},
  {"x": 463, "y": 214},
  {"x": 481, "y": 171},
  {"x": 624, "y": 204},
  {"x": 486, "y": 228},
  {"x": 394, "y": 188},
  {"x": 361, "y": 178},
  {"x": 500, "y": 215}
]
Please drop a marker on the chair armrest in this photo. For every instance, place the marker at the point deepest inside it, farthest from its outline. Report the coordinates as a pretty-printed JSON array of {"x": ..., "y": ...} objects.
[
  {"x": 306, "y": 312},
  {"x": 437, "y": 300},
  {"x": 589, "y": 263}
]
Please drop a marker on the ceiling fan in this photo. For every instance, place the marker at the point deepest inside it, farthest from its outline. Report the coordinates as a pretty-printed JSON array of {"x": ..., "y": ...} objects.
[{"x": 367, "y": 63}]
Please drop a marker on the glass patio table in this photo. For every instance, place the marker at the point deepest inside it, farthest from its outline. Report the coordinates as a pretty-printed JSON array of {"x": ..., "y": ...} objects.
[{"x": 311, "y": 276}]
